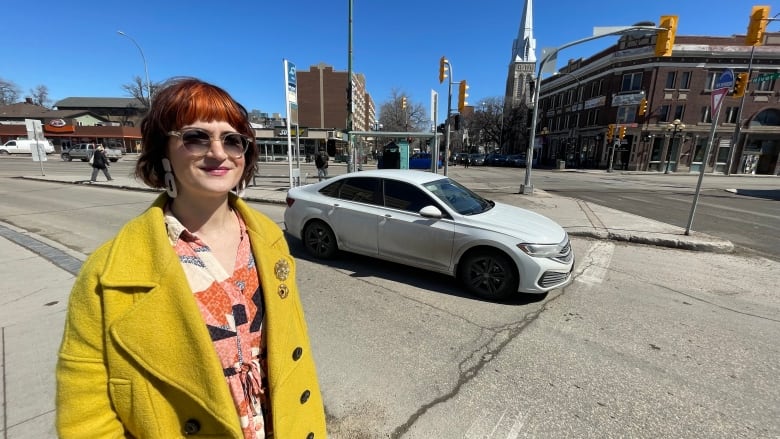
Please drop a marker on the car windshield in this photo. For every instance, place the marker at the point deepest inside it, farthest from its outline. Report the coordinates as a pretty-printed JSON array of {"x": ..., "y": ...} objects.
[{"x": 458, "y": 197}]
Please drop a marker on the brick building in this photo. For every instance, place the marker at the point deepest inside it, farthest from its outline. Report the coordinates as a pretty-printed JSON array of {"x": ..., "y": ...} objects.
[{"x": 577, "y": 105}]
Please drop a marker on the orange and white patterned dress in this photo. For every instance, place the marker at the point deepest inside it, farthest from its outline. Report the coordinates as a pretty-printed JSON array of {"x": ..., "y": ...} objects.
[{"x": 232, "y": 307}]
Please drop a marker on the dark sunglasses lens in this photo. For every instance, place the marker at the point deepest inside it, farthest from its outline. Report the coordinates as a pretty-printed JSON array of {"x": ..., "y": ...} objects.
[
  {"x": 195, "y": 137},
  {"x": 234, "y": 140}
]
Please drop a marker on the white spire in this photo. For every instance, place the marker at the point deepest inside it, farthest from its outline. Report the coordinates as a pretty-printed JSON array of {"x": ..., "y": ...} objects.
[{"x": 524, "y": 46}]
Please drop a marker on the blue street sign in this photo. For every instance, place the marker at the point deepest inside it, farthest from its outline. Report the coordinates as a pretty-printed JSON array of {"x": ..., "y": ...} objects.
[{"x": 725, "y": 80}]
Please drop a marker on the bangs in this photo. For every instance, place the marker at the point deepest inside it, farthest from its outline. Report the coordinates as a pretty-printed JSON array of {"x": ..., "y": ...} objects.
[{"x": 208, "y": 103}]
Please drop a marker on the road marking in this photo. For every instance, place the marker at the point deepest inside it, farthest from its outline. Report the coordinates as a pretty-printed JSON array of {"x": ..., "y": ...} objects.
[
  {"x": 509, "y": 425},
  {"x": 594, "y": 266}
]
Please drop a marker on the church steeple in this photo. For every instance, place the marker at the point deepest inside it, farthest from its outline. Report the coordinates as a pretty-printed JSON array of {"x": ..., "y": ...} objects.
[
  {"x": 524, "y": 46},
  {"x": 518, "y": 97}
]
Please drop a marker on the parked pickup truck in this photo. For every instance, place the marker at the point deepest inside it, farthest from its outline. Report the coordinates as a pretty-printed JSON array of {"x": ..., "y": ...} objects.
[{"x": 83, "y": 151}]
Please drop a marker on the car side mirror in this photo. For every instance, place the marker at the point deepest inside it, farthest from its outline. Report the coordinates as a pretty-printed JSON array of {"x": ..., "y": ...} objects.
[{"x": 431, "y": 212}]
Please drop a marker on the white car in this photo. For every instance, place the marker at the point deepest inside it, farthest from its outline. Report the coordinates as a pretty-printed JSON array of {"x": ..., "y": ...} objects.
[{"x": 430, "y": 221}]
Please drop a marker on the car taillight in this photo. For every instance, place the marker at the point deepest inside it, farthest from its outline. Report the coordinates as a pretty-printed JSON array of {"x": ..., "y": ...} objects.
[{"x": 289, "y": 201}]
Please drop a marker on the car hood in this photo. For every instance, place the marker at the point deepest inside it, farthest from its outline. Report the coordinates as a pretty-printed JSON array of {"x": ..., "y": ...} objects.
[{"x": 527, "y": 226}]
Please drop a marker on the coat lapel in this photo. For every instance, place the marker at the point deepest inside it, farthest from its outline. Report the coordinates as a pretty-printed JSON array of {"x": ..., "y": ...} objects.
[{"x": 163, "y": 330}]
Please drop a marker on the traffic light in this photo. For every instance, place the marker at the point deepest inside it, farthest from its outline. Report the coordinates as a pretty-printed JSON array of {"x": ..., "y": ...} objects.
[
  {"x": 403, "y": 102},
  {"x": 665, "y": 39},
  {"x": 740, "y": 85},
  {"x": 759, "y": 17},
  {"x": 642, "y": 107},
  {"x": 610, "y": 131},
  {"x": 462, "y": 95},
  {"x": 622, "y": 132},
  {"x": 442, "y": 69}
]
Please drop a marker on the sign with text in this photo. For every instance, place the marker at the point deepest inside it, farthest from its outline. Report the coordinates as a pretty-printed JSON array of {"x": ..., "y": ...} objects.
[
  {"x": 627, "y": 99},
  {"x": 725, "y": 80}
]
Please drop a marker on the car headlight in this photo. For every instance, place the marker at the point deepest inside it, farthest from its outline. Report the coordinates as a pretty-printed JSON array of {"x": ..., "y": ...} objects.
[{"x": 540, "y": 250}]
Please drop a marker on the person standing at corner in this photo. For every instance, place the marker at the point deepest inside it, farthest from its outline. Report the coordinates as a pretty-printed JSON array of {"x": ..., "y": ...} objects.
[
  {"x": 321, "y": 162},
  {"x": 100, "y": 163},
  {"x": 203, "y": 333}
]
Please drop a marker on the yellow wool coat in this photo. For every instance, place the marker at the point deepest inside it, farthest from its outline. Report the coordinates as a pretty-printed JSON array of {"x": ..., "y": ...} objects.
[{"x": 136, "y": 358}]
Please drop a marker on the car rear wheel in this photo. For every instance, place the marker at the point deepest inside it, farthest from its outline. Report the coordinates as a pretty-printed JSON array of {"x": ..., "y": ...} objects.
[
  {"x": 490, "y": 275},
  {"x": 66, "y": 157},
  {"x": 319, "y": 240}
]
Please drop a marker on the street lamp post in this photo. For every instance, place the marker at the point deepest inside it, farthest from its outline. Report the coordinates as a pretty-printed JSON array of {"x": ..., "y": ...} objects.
[
  {"x": 675, "y": 127},
  {"x": 146, "y": 68}
]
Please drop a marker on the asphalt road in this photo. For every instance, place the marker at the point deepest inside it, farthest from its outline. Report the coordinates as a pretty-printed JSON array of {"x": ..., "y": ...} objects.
[
  {"x": 645, "y": 343},
  {"x": 749, "y": 216}
]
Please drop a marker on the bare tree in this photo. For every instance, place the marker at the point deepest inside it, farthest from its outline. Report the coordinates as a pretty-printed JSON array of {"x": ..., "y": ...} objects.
[
  {"x": 9, "y": 92},
  {"x": 394, "y": 117},
  {"x": 486, "y": 123},
  {"x": 40, "y": 95},
  {"x": 140, "y": 90}
]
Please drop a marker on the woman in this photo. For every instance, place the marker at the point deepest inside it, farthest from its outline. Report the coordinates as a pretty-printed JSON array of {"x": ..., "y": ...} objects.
[
  {"x": 188, "y": 322},
  {"x": 99, "y": 162}
]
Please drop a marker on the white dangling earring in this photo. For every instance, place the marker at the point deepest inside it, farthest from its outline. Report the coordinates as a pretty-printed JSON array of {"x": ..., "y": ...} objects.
[
  {"x": 241, "y": 188},
  {"x": 170, "y": 182}
]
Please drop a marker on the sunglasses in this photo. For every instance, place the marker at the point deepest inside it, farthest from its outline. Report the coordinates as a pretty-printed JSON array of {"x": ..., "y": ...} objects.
[{"x": 198, "y": 142}]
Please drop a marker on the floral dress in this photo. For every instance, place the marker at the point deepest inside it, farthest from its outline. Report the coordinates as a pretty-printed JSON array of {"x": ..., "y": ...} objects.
[{"x": 232, "y": 307}]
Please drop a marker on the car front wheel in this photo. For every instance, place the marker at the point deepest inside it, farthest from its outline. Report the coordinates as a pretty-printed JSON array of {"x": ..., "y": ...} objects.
[
  {"x": 490, "y": 275},
  {"x": 66, "y": 157},
  {"x": 319, "y": 240}
]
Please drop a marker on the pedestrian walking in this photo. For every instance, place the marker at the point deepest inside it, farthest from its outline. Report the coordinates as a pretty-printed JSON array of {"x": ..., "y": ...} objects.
[
  {"x": 321, "y": 162},
  {"x": 99, "y": 162},
  {"x": 188, "y": 321}
]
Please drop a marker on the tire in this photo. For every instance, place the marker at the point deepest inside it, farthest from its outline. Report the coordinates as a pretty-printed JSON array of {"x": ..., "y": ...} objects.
[
  {"x": 489, "y": 274},
  {"x": 66, "y": 157},
  {"x": 319, "y": 240}
]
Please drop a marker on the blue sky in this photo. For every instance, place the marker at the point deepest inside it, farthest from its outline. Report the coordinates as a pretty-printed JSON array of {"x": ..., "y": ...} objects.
[{"x": 73, "y": 47}]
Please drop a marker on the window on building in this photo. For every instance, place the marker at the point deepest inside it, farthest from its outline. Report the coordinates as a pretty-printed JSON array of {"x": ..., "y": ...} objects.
[
  {"x": 764, "y": 85},
  {"x": 679, "y": 110},
  {"x": 631, "y": 82},
  {"x": 670, "y": 79},
  {"x": 663, "y": 113},
  {"x": 685, "y": 81},
  {"x": 595, "y": 116},
  {"x": 626, "y": 114},
  {"x": 706, "y": 114},
  {"x": 711, "y": 78},
  {"x": 731, "y": 115}
]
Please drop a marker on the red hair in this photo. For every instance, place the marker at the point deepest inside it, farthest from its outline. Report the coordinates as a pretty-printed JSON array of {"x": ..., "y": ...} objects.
[{"x": 180, "y": 102}]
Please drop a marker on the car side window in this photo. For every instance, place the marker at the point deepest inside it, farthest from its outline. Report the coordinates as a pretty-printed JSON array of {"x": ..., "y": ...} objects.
[
  {"x": 361, "y": 190},
  {"x": 403, "y": 196}
]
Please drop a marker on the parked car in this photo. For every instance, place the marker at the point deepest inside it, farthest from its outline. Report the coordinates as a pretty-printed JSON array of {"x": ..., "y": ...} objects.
[
  {"x": 25, "y": 146},
  {"x": 83, "y": 151},
  {"x": 477, "y": 159},
  {"x": 461, "y": 158},
  {"x": 430, "y": 221},
  {"x": 516, "y": 160},
  {"x": 495, "y": 159}
]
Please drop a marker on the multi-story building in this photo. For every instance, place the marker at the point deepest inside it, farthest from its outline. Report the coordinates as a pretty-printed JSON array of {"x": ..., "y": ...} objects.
[
  {"x": 578, "y": 104},
  {"x": 322, "y": 104}
]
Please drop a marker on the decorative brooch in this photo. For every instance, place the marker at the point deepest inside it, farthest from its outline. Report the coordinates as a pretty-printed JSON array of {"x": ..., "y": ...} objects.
[{"x": 282, "y": 269}]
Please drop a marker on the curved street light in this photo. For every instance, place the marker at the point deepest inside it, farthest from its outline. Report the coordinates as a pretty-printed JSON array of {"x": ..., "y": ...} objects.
[
  {"x": 146, "y": 68},
  {"x": 675, "y": 127},
  {"x": 527, "y": 188}
]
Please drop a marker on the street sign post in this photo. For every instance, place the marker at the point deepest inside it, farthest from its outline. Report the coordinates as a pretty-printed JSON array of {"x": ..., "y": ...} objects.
[{"x": 722, "y": 87}]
